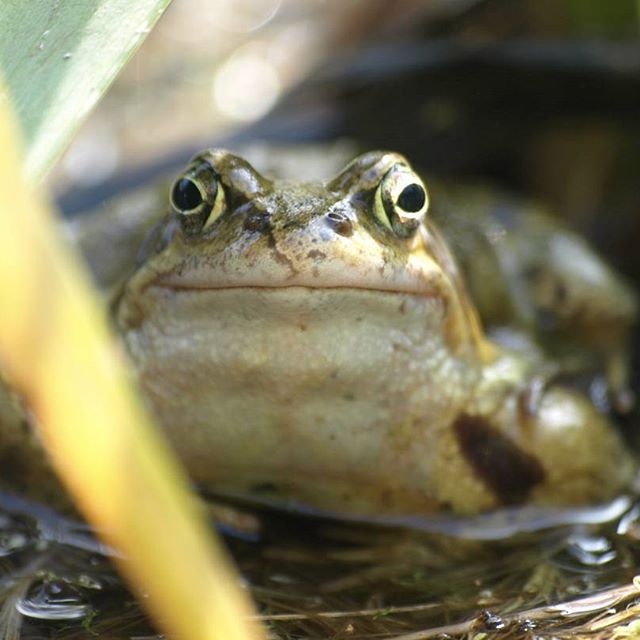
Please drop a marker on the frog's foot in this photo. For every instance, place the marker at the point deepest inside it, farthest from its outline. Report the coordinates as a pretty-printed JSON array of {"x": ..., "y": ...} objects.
[
  {"x": 562, "y": 452},
  {"x": 582, "y": 456}
]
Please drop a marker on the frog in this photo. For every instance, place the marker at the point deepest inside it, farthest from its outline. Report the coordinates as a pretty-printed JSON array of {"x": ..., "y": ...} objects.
[{"x": 314, "y": 344}]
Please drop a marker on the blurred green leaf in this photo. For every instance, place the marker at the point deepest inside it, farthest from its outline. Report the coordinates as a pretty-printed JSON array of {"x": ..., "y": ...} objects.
[{"x": 58, "y": 57}]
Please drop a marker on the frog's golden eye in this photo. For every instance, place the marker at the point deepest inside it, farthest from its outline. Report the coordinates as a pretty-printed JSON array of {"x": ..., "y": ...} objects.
[
  {"x": 198, "y": 198},
  {"x": 401, "y": 201}
]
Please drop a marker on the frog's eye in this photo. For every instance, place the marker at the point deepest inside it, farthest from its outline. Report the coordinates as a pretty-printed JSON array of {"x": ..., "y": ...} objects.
[
  {"x": 186, "y": 196},
  {"x": 198, "y": 198},
  {"x": 401, "y": 201}
]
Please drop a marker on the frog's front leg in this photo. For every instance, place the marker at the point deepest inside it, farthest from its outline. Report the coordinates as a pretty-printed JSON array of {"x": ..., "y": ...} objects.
[
  {"x": 499, "y": 452},
  {"x": 583, "y": 456}
]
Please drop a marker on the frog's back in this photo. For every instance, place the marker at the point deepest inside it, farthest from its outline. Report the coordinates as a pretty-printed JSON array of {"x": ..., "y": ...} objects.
[{"x": 529, "y": 275}]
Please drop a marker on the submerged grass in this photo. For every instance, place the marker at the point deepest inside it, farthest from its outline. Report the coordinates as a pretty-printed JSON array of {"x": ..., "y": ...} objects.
[
  {"x": 316, "y": 579},
  {"x": 319, "y": 580}
]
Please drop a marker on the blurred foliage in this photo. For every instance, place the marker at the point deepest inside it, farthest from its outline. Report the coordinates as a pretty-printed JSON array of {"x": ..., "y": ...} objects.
[
  {"x": 115, "y": 465},
  {"x": 58, "y": 59}
]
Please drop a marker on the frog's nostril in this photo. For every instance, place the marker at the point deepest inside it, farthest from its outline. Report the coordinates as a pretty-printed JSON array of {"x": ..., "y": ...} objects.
[
  {"x": 340, "y": 223},
  {"x": 257, "y": 222}
]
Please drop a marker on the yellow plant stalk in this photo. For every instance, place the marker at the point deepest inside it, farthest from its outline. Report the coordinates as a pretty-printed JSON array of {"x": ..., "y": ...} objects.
[{"x": 56, "y": 347}]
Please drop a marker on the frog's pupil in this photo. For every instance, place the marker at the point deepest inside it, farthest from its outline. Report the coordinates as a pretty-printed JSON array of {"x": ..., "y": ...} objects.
[
  {"x": 186, "y": 195},
  {"x": 412, "y": 198}
]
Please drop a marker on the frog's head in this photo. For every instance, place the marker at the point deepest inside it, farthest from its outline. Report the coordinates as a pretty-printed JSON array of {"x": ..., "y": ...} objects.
[{"x": 365, "y": 229}]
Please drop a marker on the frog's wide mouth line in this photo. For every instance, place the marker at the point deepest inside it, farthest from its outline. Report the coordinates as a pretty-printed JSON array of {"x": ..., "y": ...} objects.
[
  {"x": 410, "y": 281},
  {"x": 417, "y": 275},
  {"x": 302, "y": 287}
]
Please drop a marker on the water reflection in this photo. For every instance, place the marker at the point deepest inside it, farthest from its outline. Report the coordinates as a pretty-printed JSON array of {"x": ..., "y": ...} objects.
[
  {"x": 53, "y": 600},
  {"x": 311, "y": 577},
  {"x": 589, "y": 550}
]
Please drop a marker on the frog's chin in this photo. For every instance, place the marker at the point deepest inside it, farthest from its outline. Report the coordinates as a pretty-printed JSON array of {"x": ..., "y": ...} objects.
[{"x": 242, "y": 328}]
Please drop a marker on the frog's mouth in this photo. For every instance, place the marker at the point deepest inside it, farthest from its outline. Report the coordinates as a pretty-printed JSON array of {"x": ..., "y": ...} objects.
[
  {"x": 380, "y": 287},
  {"x": 418, "y": 276}
]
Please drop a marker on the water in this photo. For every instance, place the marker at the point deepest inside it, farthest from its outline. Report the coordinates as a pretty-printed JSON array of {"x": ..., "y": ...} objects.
[{"x": 317, "y": 578}]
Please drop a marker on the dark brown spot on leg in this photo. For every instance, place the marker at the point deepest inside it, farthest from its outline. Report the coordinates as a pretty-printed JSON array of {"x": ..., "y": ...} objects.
[{"x": 507, "y": 470}]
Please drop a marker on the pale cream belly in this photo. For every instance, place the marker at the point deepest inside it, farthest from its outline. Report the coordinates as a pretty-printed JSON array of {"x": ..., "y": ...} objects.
[{"x": 338, "y": 398}]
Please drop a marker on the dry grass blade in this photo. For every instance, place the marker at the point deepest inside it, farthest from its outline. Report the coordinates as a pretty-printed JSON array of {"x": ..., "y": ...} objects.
[
  {"x": 581, "y": 606},
  {"x": 55, "y": 345},
  {"x": 362, "y": 613}
]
